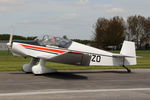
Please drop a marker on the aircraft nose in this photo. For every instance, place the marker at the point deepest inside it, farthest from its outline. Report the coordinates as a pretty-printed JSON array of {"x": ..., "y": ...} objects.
[{"x": 9, "y": 45}]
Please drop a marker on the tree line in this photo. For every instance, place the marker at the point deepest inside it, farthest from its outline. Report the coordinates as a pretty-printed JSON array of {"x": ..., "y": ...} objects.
[
  {"x": 15, "y": 37},
  {"x": 113, "y": 31}
]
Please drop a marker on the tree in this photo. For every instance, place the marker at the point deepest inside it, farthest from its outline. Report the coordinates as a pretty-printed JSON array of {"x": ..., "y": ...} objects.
[
  {"x": 100, "y": 31},
  {"x": 109, "y": 32},
  {"x": 146, "y": 36},
  {"x": 138, "y": 30}
]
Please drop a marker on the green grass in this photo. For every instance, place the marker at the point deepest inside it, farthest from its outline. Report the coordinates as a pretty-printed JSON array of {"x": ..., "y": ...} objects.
[{"x": 12, "y": 63}]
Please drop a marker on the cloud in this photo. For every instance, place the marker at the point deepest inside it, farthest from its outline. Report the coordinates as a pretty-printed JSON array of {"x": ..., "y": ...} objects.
[
  {"x": 9, "y": 5},
  {"x": 115, "y": 10},
  {"x": 83, "y": 2},
  {"x": 70, "y": 16}
]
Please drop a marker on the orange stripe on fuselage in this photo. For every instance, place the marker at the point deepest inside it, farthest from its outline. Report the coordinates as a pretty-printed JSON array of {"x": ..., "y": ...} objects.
[{"x": 45, "y": 49}]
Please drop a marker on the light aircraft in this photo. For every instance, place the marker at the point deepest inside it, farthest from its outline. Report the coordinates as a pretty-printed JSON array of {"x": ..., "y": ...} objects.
[{"x": 56, "y": 49}]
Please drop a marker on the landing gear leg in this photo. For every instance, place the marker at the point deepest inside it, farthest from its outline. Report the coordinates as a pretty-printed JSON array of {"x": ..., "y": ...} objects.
[
  {"x": 41, "y": 68},
  {"x": 28, "y": 67},
  {"x": 128, "y": 70}
]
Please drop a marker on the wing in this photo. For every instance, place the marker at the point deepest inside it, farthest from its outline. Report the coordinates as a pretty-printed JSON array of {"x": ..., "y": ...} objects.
[{"x": 73, "y": 58}]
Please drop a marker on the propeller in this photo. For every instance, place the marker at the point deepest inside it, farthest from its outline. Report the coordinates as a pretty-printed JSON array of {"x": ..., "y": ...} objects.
[{"x": 9, "y": 44}]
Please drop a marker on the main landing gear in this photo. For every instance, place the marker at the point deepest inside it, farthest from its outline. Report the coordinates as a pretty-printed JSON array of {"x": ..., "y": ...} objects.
[
  {"x": 28, "y": 67},
  {"x": 40, "y": 68}
]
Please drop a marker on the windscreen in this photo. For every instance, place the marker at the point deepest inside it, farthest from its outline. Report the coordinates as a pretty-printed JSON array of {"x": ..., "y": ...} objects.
[{"x": 53, "y": 41}]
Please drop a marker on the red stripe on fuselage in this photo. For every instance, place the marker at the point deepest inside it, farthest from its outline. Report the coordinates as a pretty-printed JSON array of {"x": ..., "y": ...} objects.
[{"x": 45, "y": 49}]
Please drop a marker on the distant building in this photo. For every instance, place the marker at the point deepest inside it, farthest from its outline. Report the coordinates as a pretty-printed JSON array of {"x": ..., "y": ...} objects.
[
  {"x": 3, "y": 44},
  {"x": 111, "y": 47}
]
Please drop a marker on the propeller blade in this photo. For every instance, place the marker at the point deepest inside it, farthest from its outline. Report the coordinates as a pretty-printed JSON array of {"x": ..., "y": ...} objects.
[{"x": 9, "y": 44}]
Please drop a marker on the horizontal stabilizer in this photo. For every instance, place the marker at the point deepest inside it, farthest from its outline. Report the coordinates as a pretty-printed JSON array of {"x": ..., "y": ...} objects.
[{"x": 120, "y": 55}]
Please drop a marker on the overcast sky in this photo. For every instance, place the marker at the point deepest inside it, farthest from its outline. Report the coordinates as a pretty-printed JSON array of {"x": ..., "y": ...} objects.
[{"x": 74, "y": 18}]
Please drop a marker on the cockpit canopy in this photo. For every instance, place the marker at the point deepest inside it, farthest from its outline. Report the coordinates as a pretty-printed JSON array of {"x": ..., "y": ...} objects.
[{"x": 47, "y": 40}]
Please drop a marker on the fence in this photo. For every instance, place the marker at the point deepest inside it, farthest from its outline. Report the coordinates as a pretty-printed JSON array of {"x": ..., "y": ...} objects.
[{"x": 3, "y": 45}]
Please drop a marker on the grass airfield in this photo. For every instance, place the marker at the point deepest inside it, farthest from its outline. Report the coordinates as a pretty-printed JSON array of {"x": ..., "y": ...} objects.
[{"x": 12, "y": 63}]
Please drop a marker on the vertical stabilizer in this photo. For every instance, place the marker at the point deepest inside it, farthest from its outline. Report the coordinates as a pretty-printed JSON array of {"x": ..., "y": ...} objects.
[{"x": 128, "y": 49}]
